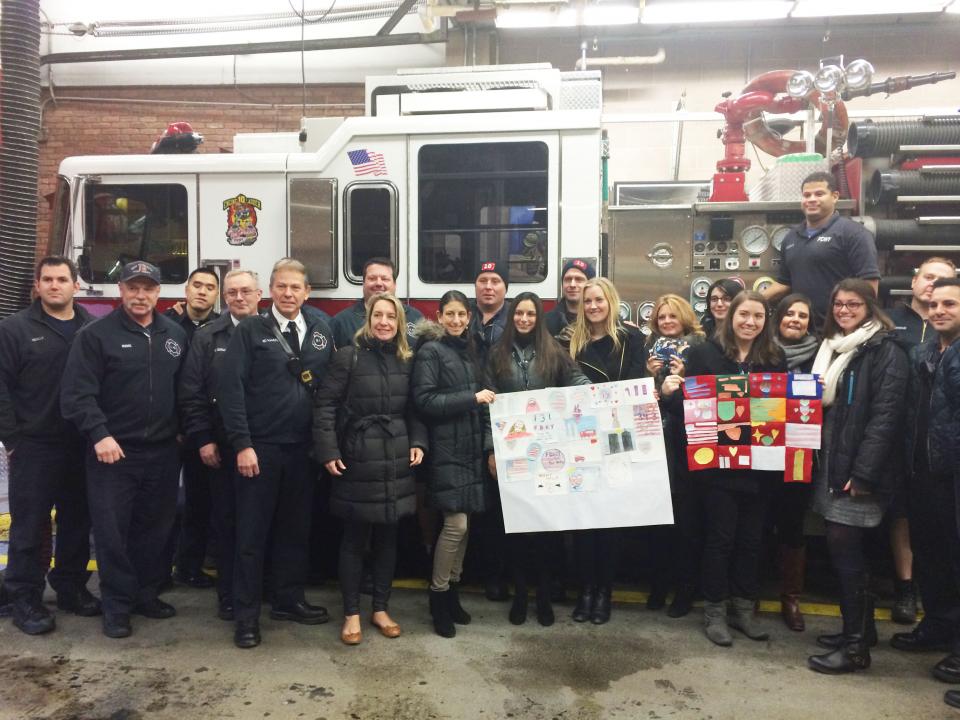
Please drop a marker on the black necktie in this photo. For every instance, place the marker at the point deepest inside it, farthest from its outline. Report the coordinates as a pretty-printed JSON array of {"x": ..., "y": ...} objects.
[{"x": 292, "y": 340}]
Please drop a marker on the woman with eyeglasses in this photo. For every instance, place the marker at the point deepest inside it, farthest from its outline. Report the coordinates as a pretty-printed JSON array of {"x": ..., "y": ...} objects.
[
  {"x": 865, "y": 375},
  {"x": 734, "y": 500},
  {"x": 526, "y": 357},
  {"x": 793, "y": 321},
  {"x": 719, "y": 296}
]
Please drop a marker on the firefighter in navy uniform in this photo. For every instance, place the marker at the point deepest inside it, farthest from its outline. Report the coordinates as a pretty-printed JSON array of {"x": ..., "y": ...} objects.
[
  {"x": 265, "y": 394},
  {"x": 119, "y": 389},
  {"x": 45, "y": 452},
  {"x": 379, "y": 276},
  {"x": 203, "y": 426},
  {"x": 189, "y": 535}
]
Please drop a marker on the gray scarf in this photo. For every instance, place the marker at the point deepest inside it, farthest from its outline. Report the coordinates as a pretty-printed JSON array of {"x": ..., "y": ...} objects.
[{"x": 798, "y": 353}]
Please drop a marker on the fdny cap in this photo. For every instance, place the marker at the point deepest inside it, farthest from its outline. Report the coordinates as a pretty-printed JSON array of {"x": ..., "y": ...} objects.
[
  {"x": 138, "y": 269},
  {"x": 496, "y": 267},
  {"x": 584, "y": 266}
]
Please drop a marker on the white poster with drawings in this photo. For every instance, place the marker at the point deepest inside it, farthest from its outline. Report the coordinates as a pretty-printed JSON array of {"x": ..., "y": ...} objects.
[{"x": 583, "y": 457}]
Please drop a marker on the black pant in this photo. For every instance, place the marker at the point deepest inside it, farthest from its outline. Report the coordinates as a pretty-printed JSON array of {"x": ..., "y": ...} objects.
[
  {"x": 790, "y": 506},
  {"x": 44, "y": 475},
  {"x": 133, "y": 505},
  {"x": 383, "y": 545},
  {"x": 597, "y": 553},
  {"x": 731, "y": 553},
  {"x": 846, "y": 546},
  {"x": 195, "y": 516},
  {"x": 531, "y": 560},
  {"x": 936, "y": 548},
  {"x": 280, "y": 497},
  {"x": 223, "y": 497}
]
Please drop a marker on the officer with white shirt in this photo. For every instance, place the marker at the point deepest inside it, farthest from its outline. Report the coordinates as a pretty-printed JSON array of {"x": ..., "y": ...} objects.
[
  {"x": 265, "y": 395},
  {"x": 203, "y": 426}
]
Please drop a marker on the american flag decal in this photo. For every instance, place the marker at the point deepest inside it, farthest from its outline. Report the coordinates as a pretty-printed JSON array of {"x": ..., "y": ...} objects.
[{"x": 367, "y": 162}]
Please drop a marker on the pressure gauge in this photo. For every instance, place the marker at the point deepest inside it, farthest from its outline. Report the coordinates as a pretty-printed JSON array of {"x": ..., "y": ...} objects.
[
  {"x": 761, "y": 284},
  {"x": 700, "y": 287},
  {"x": 624, "y": 311},
  {"x": 755, "y": 239},
  {"x": 778, "y": 236},
  {"x": 645, "y": 311}
]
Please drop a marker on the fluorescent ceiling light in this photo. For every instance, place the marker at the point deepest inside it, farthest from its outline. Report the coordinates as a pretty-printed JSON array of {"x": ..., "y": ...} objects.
[
  {"x": 667, "y": 12},
  {"x": 611, "y": 14},
  {"x": 833, "y": 8},
  {"x": 539, "y": 14}
]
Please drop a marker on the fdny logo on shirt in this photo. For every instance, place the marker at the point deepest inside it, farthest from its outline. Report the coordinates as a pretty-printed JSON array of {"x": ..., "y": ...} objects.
[
  {"x": 318, "y": 340},
  {"x": 824, "y": 238},
  {"x": 173, "y": 347}
]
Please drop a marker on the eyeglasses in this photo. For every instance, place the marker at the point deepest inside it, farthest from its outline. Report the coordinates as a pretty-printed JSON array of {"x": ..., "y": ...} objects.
[
  {"x": 246, "y": 292},
  {"x": 719, "y": 299},
  {"x": 851, "y": 305}
]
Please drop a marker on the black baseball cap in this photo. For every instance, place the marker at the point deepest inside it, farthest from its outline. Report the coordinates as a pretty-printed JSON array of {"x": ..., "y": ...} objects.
[{"x": 138, "y": 269}]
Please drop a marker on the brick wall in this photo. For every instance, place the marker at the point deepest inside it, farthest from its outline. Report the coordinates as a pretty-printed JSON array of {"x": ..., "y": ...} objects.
[{"x": 116, "y": 121}]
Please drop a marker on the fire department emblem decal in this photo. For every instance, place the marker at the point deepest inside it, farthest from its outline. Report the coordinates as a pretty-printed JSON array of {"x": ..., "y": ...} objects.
[
  {"x": 319, "y": 340},
  {"x": 173, "y": 347},
  {"x": 411, "y": 329},
  {"x": 242, "y": 219}
]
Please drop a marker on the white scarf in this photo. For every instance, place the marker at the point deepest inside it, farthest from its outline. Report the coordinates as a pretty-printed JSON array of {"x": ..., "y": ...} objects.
[{"x": 836, "y": 353}]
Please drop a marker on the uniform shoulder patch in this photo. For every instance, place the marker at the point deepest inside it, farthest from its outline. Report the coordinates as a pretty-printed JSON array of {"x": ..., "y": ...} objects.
[
  {"x": 173, "y": 347},
  {"x": 318, "y": 340}
]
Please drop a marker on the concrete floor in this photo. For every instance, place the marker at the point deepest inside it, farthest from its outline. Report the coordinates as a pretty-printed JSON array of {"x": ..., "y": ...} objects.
[{"x": 641, "y": 666}]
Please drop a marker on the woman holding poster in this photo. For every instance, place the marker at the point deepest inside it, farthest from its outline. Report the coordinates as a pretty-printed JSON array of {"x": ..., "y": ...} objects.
[
  {"x": 526, "y": 357},
  {"x": 606, "y": 350},
  {"x": 734, "y": 501},
  {"x": 451, "y": 400},
  {"x": 865, "y": 377}
]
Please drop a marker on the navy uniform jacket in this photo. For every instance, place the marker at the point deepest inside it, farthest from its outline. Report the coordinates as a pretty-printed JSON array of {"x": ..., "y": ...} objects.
[
  {"x": 349, "y": 320},
  {"x": 188, "y": 325},
  {"x": 121, "y": 379},
  {"x": 911, "y": 328},
  {"x": 33, "y": 354},
  {"x": 260, "y": 400},
  {"x": 196, "y": 395}
]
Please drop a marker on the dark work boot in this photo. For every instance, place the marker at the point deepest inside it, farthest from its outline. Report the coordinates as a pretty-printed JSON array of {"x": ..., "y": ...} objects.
[
  {"x": 740, "y": 617},
  {"x": 904, "y": 610},
  {"x": 601, "y": 606},
  {"x": 854, "y": 653},
  {"x": 31, "y": 616},
  {"x": 457, "y": 613},
  {"x": 585, "y": 600},
  {"x": 518, "y": 608},
  {"x": 682, "y": 602},
  {"x": 440, "y": 612}
]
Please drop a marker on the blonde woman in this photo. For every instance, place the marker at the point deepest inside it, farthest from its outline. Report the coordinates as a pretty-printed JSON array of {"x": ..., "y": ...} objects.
[
  {"x": 368, "y": 438},
  {"x": 673, "y": 331},
  {"x": 606, "y": 350}
]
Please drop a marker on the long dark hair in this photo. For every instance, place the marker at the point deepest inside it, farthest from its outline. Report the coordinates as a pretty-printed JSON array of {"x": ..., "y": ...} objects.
[
  {"x": 764, "y": 351},
  {"x": 730, "y": 288},
  {"x": 456, "y": 296},
  {"x": 784, "y": 306},
  {"x": 866, "y": 293},
  {"x": 550, "y": 356}
]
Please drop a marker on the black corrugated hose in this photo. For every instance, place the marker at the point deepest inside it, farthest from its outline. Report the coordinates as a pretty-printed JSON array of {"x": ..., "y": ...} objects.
[
  {"x": 879, "y": 139},
  {"x": 909, "y": 232},
  {"x": 19, "y": 155},
  {"x": 889, "y": 184}
]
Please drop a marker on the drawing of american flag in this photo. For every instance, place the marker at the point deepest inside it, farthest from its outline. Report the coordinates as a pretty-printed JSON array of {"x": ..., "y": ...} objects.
[
  {"x": 367, "y": 162},
  {"x": 701, "y": 433}
]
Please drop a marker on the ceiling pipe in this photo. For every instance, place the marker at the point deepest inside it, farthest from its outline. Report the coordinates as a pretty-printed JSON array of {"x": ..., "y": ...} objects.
[
  {"x": 346, "y": 43},
  {"x": 656, "y": 59}
]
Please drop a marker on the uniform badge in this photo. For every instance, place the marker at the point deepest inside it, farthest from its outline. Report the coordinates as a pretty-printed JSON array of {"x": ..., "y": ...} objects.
[
  {"x": 173, "y": 347},
  {"x": 318, "y": 340},
  {"x": 242, "y": 219},
  {"x": 410, "y": 329}
]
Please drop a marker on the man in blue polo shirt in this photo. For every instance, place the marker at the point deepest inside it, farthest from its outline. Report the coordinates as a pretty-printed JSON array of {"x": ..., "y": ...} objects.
[{"x": 825, "y": 249}]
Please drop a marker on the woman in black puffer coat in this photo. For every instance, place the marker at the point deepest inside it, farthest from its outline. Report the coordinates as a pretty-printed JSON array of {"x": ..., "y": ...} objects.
[
  {"x": 368, "y": 438},
  {"x": 452, "y": 402}
]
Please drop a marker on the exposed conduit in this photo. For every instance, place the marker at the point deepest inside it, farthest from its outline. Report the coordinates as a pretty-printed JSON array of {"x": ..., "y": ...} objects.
[
  {"x": 19, "y": 154},
  {"x": 588, "y": 62}
]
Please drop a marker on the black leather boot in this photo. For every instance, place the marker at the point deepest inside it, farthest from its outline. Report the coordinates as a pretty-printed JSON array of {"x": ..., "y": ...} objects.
[
  {"x": 601, "y": 606},
  {"x": 854, "y": 653},
  {"x": 544, "y": 606},
  {"x": 457, "y": 613},
  {"x": 682, "y": 602},
  {"x": 585, "y": 600},
  {"x": 440, "y": 612}
]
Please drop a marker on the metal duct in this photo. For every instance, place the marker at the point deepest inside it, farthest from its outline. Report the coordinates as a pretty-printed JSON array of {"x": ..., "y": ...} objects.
[
  {"x": 19, "y": 155},
  {"x": 880, "y": 139},
  {"x": 890, "y": 184},
  {"x": 909, "y": 232}
]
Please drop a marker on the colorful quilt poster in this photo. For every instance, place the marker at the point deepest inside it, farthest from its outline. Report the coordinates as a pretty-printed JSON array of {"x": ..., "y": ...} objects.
[
  {"x": 760, "y": 421},
  {"x": 583, "y": 457}
]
